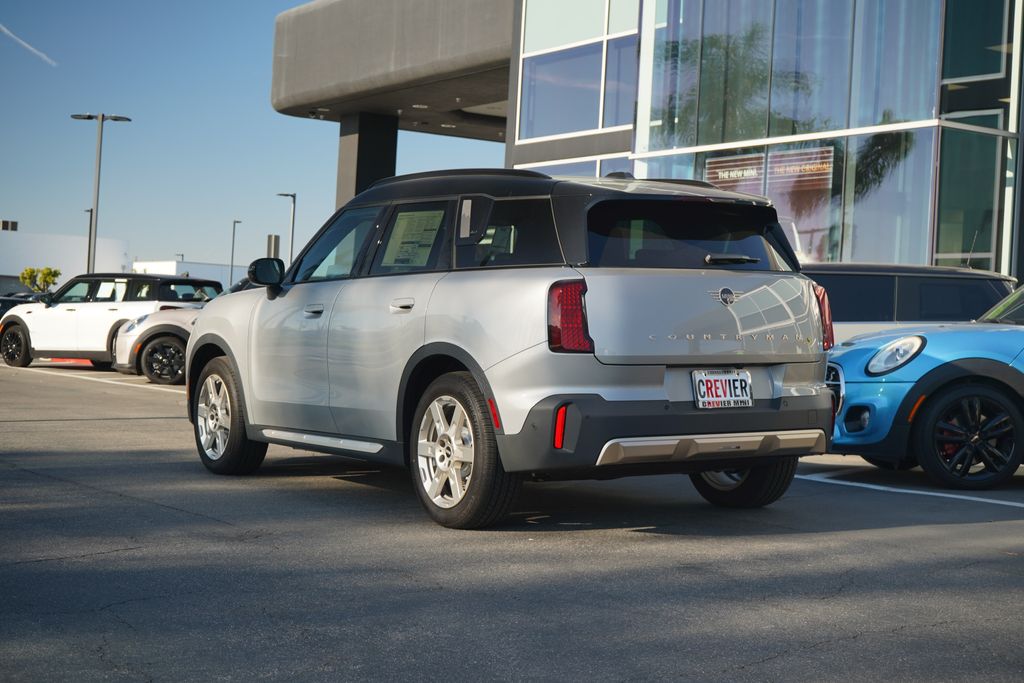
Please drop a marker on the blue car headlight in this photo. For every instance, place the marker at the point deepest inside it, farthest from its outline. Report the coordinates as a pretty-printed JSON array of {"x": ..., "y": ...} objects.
[
  {"x": 894, "y": 355},
  {"x": 135, "y": 323}
]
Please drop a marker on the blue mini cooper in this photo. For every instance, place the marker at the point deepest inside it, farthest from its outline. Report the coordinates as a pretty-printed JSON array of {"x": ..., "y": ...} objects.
[{"x": 945, "y": 397}]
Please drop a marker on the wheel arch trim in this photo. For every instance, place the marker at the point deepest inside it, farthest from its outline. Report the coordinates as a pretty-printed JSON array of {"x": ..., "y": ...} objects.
[
  {"x": 203, "y": 341},
  {"x": 165, "y": 330},
  {"x": 425, "y": 352},
  {"x": 940, "y": 377}
]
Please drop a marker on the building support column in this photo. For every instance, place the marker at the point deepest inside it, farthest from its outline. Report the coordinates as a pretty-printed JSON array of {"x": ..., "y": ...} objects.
[{"x": 367, "y": 149}]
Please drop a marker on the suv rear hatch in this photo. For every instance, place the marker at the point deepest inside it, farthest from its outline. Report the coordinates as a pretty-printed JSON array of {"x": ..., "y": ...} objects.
[{"x": 673, "y": 282}]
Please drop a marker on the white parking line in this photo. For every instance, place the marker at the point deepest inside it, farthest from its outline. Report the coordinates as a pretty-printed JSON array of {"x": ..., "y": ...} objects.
[
  {"x": 97, "y": 379},
  {"x": 827, "y": 478}
]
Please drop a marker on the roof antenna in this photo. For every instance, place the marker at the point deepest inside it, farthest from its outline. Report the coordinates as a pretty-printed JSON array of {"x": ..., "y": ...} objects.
[
  {"x": 620, "y": 175},
  {"x": 970, "y": 254}
]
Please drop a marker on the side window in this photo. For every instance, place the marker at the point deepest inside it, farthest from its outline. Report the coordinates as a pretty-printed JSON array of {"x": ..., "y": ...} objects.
[
  {"x": 859, "y": 298},
  {"x": 935, "y": 299},
  {"x": 77, "y": 293},
  {"x": 519, "y": 232},
  {"x": 415, "y": 241},
  {"x": 334, "y": 254},
  {"x": 141, "y": 290},
  {"x": 186, "y": 291},
  {"x": 108, "y": 291}
]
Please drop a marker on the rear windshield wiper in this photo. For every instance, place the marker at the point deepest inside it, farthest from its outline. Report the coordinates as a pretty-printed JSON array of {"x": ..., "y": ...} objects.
[
  {"x": 730, "y": 258},
  {"x": 999, "y": 321}
]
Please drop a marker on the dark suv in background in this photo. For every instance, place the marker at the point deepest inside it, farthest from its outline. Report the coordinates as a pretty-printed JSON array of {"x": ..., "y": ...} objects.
[{"x": 867, "y": 297}]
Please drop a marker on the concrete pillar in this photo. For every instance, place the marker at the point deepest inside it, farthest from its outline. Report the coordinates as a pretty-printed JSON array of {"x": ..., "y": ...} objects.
[{"x": 367, "y": 148}]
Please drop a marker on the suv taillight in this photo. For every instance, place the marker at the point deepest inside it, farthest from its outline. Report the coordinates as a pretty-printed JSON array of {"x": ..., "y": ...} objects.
[
  {"x": 567, "y": 318},
  {"x": 828, "y": 337}
]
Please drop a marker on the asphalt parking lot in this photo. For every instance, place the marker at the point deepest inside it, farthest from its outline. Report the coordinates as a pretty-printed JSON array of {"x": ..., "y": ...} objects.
[{"x": 121, "y": 558}]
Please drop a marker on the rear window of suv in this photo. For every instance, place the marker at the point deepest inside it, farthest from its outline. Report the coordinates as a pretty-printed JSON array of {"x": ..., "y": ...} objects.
[{"x": 674, "y": 234}]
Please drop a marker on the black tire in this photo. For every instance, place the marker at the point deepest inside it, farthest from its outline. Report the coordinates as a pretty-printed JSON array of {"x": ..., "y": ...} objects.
[
  {"x": 163, "y": 360},
  {"x": 949, "y": 437},
  {"x": 902, "y": 465},
  {"x": 14, "y": 347},
  {"x": 480, "y": 492},
  {"x": 753, "y": 488},
  {"x": 239, "y": 454}
]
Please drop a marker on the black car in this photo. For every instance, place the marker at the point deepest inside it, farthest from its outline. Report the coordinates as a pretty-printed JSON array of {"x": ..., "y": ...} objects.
[{"x": 872, "y": 297}]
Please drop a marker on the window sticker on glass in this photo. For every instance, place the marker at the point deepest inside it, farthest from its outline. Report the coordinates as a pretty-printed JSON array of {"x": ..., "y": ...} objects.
[{"x": 412, "y": 239}]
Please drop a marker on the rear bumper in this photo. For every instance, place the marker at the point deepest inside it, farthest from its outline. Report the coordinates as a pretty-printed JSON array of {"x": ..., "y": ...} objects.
[{"x": 609, "y": 438}]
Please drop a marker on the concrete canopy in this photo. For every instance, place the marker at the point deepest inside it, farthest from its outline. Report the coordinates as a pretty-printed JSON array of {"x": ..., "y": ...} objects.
[{"x": 440, "y": 66}]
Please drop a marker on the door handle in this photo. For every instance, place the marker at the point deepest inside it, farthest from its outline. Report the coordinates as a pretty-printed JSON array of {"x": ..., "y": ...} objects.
[
  {"x": 401, "y": 305},
  {"x": 70, "y": 310},
  {"x": 313, "y": 310},
  {"x": 111, "y": 309}
]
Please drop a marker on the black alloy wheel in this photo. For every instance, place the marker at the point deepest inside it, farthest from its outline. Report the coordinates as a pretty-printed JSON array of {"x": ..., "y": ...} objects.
[
  {"x": 967, "y": 437},
  {"x": 14, "y": 347},
  {"x": 163, "y": 361}
]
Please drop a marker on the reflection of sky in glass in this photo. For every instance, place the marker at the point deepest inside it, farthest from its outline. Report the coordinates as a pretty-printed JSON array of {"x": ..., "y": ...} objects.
[
  {"x": 561, "y": 92},
  {"x": 620, "y": 81}
]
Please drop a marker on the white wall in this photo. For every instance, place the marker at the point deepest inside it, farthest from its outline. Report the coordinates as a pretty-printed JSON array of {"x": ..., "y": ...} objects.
[
  {"x": 20, "y": 250},
  {"x": 208, "y": 271}
]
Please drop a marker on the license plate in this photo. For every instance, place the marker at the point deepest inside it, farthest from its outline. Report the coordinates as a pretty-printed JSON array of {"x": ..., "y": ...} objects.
[{"x": 722, "y": 389}]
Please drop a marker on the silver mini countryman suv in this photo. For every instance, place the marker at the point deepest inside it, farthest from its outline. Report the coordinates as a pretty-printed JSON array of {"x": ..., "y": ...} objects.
[{"x": 480, "y": 327}]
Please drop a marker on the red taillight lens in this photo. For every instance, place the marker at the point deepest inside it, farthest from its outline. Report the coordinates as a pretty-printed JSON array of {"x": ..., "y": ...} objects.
[
  {"x": 567, "y": 318},
  {"x": 828, "y": 337},
  {"x": 560, "y": 427}
]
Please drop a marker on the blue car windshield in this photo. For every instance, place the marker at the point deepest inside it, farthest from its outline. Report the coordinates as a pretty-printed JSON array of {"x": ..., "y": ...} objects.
[{"x": 1009, "y": 310}]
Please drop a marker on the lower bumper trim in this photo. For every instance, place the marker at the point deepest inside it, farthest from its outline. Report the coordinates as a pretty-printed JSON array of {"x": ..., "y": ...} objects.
[{"x": 698, "y": 446}]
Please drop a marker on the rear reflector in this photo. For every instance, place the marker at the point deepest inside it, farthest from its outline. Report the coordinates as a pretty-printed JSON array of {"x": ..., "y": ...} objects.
[
  {"x": 494, "y": 413},
  {"x": 567, "y": 318},
  {"x": 828, "y": 337},
  {"x": 560, "y": 427}
]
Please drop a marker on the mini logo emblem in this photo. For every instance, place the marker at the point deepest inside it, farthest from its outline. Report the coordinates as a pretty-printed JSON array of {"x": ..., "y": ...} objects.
[{"x": 725, "y": 295}]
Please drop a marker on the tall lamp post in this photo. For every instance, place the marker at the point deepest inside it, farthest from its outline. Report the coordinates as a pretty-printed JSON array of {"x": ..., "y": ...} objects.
[
  {"x": 231, "y": 268},
  {"x": 291, "y": 231},
  {"x": 88, "y": 232},
  {"x": 95, "y": 215}
]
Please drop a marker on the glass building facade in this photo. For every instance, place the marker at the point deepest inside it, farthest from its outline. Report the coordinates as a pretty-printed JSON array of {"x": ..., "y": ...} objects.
[{"x": 883, "y": 130}]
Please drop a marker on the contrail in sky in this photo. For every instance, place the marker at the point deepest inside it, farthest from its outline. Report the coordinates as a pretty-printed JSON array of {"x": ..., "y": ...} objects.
[{"x": 42, "y": 55}]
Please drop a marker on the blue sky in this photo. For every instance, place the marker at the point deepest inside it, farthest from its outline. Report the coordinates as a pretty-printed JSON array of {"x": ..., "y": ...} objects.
[{"x": 204, "y": 146}]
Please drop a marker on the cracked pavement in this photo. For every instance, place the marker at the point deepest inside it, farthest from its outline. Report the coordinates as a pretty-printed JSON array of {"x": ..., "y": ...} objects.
[{"x": 121, "y": 558}]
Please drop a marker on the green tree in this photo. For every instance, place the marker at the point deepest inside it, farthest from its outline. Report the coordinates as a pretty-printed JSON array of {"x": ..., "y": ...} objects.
[{"x": 39, "y": 279}]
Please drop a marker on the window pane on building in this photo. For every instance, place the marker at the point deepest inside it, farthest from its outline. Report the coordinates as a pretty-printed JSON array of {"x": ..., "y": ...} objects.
[
  {"x": 623, "y": 15},
  {"x": 971, "y": 184},
  {"x": 679, "y": 166},
  {"x": 620, "y": 82},
  {"x": 587, "y": 169},
  {"x": 617, "y": 165},
  {"x": 734, "y": 70},
  {"x": 976, "y": 58},
  {"x": 811, "y": 65},
  {"x": 551, "y": 24},
  {"x": 561, "y": 92},
  {"x": 669, "y": 117},
  {"x": 888, "y": 182},
  {"x": 896, "y": 50},
  {"x": 805, "y": 183}
]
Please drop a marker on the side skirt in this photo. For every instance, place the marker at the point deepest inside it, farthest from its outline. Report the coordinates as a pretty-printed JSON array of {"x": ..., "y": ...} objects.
[{"x": 386, "y": 452}]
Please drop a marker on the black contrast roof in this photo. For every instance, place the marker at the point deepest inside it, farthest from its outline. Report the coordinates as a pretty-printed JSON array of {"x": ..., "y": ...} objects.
[
  {"x": 899, "y": 269},
  {"x": 144, "y": 276},
  {"x": 497, "y": 182}
]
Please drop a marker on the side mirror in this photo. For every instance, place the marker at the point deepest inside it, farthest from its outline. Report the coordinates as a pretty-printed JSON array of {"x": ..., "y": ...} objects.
[
  {"x": 267, "y": 271},
  {"x": 46, "y": 299}
]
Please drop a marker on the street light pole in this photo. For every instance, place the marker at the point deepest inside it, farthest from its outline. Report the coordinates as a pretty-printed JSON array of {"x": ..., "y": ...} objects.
[
  {"x": 291, "y": 231},
  {"x": 89, "y": 232},
  {"x": 231, "y": 268},
  {"x": 95, "y": 215}
]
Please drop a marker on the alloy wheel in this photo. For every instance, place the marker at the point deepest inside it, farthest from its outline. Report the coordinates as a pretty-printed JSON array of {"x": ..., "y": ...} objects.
[
  {"x": 975, "y": 438},
  {"x": 213, "y": 417},
  {"x": 165, "y": 360},
  {"x": 12, "y": 346},
  {"x": 445, "y": 451}
]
